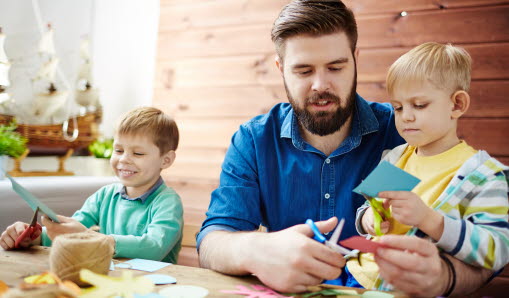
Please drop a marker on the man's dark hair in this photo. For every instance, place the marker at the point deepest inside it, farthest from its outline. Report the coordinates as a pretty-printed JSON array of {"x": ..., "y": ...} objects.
[{"x": 313, "y": 18}]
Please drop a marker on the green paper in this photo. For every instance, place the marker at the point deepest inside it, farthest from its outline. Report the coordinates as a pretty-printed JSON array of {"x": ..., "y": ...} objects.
[
  {"x": 32, "y": 201},
  {"x": 332, "y": 292}
]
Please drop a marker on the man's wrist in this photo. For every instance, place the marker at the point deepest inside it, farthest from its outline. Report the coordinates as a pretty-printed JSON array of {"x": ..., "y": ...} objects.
[{"x": 447, "y": 269}]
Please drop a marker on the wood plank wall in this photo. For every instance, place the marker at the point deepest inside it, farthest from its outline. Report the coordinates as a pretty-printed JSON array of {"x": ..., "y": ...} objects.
[{"x": 215, "y": 70}]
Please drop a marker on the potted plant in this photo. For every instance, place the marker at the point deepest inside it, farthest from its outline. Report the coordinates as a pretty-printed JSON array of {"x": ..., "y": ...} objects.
[
  {"x": 12, "y": 144},
  {"x": 102, "y": 150}
]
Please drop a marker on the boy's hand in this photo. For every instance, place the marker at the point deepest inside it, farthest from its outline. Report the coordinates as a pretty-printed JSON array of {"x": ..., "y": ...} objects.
[
  {"x": 407, "y": 207},
  {"x": 67, "y": 225},
  {"x": 367, "y": 222},
  {"x": 9, "y": 236}
]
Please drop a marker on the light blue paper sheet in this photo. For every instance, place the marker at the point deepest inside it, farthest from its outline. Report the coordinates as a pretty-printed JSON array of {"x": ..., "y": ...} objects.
[
  {"x": 386, "y": 177},
  {"x": 142, "y": 264},
  {"x": 32, "y": 201}
]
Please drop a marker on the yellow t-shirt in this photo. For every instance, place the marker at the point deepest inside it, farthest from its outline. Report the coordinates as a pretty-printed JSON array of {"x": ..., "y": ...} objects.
[{"x": 435, "y": 173}]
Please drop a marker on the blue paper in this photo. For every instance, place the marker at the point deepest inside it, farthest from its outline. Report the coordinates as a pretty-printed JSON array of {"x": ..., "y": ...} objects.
[
  {"x": 143, "y": 265},
  {"x": 386, "y": 177},
  {"x": 32, "y": 201},
  {"x": 161, "y": 279}
]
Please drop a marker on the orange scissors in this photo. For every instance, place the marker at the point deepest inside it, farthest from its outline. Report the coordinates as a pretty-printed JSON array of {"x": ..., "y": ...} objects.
[{"x": 30, "y": 231}]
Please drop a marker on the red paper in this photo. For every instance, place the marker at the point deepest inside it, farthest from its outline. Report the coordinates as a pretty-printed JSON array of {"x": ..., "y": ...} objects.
[{"x": 361, "y": 243}]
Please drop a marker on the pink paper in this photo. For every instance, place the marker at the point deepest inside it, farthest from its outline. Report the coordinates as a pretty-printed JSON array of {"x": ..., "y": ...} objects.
[
  {"x": 361, "y": 243},
  {"x": 257, "y": 291}
]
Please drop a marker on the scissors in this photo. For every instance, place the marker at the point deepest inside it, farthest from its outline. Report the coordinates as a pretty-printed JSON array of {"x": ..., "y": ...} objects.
[
  {"x": 30, "y": 230},
  {"x": 332, "y": 243},
  {"x": 379, "y": 213}
]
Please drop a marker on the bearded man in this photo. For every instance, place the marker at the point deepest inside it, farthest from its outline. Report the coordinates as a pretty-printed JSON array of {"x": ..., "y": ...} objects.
[{"x": 302, "y": 159}]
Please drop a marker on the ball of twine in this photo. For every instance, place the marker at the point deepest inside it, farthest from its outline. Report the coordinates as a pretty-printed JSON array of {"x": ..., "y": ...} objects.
[{"x": 72, "y": 252}]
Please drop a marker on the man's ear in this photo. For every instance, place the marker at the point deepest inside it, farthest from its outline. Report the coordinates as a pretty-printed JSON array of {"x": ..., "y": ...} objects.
[
  {"x": 168, "y": 159},
  {"x": 279, "y": 64},
  {"x": 356, "y": 54},
  {"x": 461, "y": 102}
]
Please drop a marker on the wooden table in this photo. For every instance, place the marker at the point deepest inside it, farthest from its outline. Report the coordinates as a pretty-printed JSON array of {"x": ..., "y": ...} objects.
[{"x": 15, "y": 265}]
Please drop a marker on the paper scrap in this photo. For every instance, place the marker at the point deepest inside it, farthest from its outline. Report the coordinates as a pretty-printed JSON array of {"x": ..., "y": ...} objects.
[
  {"x": 32, "y": 201},
  {"x": 386, "y": 177},
  {"x": 331, "y": 292},
  {"x": 112, "y": 266},
  {"x": 256, "y": 291},
  {"x": 107, "y": 286},
  {"x": 362, "y": 244},
  {"x": 161, "y": 279},
  {"x": 184, "y": 291},
  {"x": 142, "y": 264},
  {"x": 376, "y": 294}
]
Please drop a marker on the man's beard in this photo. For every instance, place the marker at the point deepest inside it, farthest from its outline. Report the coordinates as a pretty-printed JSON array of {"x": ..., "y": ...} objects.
[{"x": 324, "y": 123}]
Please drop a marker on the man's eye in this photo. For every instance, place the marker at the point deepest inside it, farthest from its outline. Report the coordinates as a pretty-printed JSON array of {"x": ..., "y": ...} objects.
[
  {"x": 420, "y": 106},
  {"x": 335, "y": 68},
  {"x": 305, "y": 72}
]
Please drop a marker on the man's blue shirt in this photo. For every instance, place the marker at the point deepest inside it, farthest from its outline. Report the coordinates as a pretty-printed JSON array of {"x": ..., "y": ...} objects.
[{"x": 271, "y": 176}]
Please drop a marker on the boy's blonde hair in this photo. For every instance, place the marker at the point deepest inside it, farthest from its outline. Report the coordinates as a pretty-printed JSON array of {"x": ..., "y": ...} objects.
[
  {"x": 446, "y": 66},
  {"x": 153, "y": 123}
]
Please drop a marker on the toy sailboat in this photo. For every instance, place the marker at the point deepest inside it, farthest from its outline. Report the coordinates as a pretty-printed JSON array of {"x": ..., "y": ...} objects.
[{"x": 48, "y": 124}]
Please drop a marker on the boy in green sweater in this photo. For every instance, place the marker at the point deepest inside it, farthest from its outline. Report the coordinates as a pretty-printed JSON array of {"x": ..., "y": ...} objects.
[{"x": 141, "y": 214}]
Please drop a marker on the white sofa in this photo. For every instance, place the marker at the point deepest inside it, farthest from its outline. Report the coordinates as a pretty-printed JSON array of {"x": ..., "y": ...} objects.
[{"x": 63, "y": 194}]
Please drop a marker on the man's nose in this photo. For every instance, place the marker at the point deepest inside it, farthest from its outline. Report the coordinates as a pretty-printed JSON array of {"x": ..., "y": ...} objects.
[{"x": 321, "y": 82}]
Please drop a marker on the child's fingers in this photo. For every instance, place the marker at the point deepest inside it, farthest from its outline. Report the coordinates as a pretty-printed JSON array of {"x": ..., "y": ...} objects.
[
  {"x": 394, "y": 195},
  {"x": 7, "y": 242},
  {"x": 385, "y": 226}
]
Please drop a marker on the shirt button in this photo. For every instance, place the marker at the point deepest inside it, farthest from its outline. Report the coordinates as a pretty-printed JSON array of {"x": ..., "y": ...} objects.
[
  {"x": 327, "y": 195},
  {"x": 327, "y": 160}
]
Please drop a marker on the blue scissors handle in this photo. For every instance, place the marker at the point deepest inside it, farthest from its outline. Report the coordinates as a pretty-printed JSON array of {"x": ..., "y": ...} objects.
[{"x": 318, "y": 235}]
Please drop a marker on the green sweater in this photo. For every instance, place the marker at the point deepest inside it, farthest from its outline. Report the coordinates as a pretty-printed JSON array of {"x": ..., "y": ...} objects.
[{"x": 150, "y": 230}]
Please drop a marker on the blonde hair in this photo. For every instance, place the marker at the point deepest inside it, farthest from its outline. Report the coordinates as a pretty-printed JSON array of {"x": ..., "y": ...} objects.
[
  {"x": 446, "y": 66},
  {"x": 153, "y": 123}
]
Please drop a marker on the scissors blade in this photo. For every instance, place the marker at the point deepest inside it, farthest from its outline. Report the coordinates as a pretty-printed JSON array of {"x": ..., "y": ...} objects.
[
  {"x": 337, "y": 232},
  {"x": 33, "y": 223}
]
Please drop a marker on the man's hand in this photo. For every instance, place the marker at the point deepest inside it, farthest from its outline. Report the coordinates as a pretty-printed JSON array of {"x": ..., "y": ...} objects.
[
  {"x": 9, "y": 236},
  {"x": 368, "y": 223},
  {"x": 67, "y": 225},
  {"x": 412, "y": 265},
  {"x": 287, "y": 260},
  {"x": 290, "y": 261}
]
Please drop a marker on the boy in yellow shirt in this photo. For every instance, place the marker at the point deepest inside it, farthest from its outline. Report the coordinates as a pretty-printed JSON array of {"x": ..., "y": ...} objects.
[{"x": 461, "y": 202}]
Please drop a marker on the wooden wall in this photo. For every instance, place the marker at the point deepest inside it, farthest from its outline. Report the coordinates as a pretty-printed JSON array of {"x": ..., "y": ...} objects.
[{"x": 215, "y": 70}]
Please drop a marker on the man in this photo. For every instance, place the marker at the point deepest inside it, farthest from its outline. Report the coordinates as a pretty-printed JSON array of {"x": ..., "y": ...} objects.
[{"x": 302, "y": 160}]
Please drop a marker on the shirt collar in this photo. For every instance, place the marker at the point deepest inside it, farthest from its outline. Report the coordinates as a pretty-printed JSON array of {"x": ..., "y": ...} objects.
[
  {"x": 123, "y": 193},
  {"x": 364, "y": 122}
]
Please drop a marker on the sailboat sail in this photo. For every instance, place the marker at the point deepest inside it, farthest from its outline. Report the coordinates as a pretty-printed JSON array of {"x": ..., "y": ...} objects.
[
  {"x": 5, "y": 66},
  {"x": 86, "y": 94}
]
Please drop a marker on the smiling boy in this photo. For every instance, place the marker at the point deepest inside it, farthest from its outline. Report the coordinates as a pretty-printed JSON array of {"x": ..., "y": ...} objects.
[{"x": 142, "y": 215}]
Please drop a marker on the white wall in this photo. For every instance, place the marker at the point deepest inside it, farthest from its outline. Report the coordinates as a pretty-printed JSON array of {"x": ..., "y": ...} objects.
[{"x": 123, "y": 35}]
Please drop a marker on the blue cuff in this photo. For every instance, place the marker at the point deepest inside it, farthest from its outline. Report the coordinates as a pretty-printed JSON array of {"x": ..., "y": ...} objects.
[{"x": 209, "y": 229}]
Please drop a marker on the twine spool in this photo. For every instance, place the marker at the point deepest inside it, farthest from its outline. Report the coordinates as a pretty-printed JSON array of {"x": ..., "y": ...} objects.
[{"x": 72, "y": 252}]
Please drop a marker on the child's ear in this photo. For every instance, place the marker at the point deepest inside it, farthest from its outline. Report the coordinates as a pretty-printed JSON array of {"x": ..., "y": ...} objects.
[
  {"x": 461, "y": 102},
  {"x": 168, "y": 159}
]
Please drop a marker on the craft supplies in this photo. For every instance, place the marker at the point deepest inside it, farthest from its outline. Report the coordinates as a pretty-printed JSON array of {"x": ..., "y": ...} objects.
[{"x": 87, "y": 250}]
